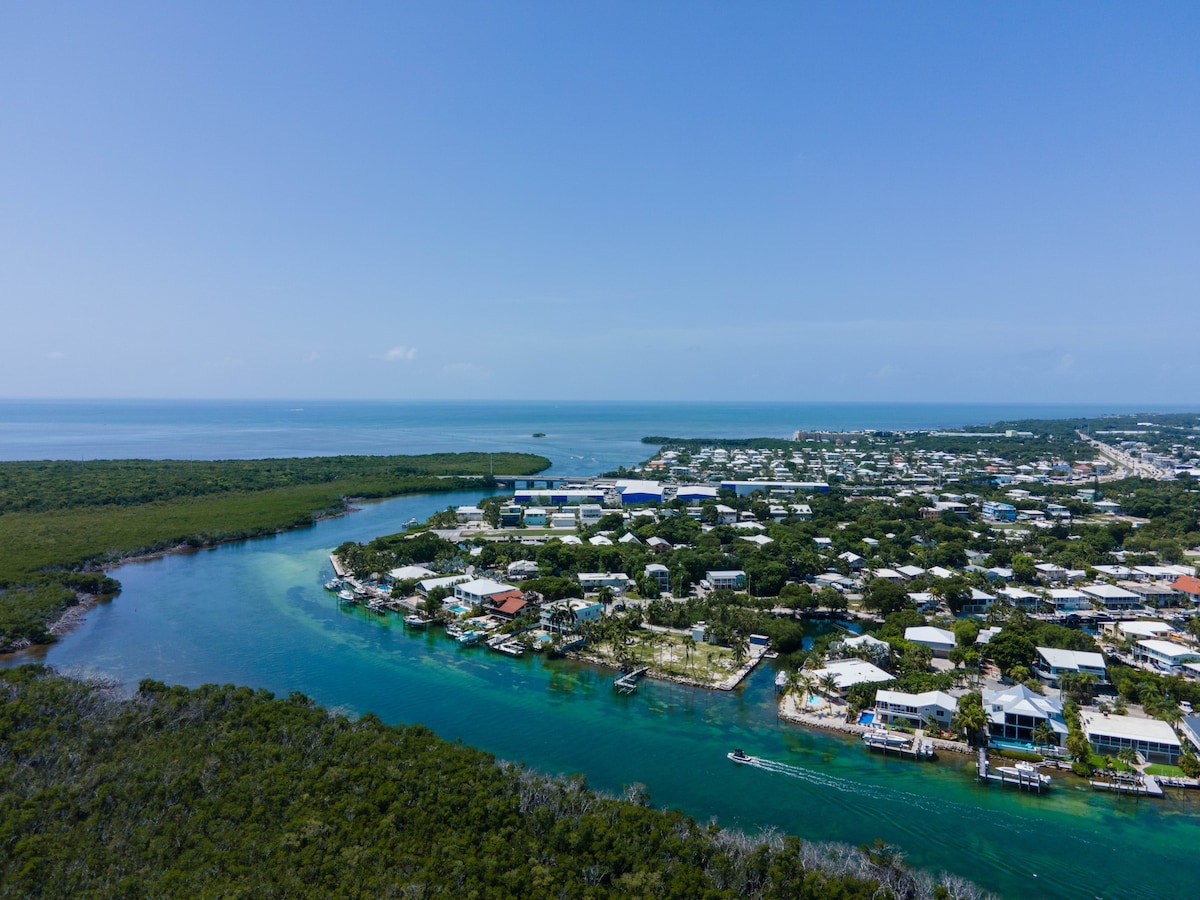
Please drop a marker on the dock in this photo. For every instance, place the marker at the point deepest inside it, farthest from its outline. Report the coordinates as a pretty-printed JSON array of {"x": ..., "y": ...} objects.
[
  {"x": 628, "y": 683},
  {"x": 1143, "y": 786},
  {"x": 338, "y": 569},
  {"x": 1022, "y": 776},
  {"x": 915, "y": 747}
]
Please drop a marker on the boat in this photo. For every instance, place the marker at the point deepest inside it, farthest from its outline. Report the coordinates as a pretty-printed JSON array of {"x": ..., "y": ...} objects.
[
  {"x": 539, "y": 434},
  {"x": 884, "y": 738},
  {"x": 333, "y": 585},
  {"x": 415, "y": 621},
  {"x": 1024, "y": 772},
  {"x": 346, "y": 595},
  {"x": 739, "y": 757},
  {"x": 470, "y": 636}
]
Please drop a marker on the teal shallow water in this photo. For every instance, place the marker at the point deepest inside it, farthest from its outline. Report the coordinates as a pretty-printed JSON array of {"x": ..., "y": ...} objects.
[{"x": 255, "y": 613}]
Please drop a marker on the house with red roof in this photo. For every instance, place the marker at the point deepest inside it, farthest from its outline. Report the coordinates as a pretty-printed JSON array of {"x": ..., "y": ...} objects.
[{"x": 1188, "y": 585}]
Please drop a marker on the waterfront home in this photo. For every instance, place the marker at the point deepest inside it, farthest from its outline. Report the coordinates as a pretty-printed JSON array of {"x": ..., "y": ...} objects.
[
  {"x": 425, "y": 585},
  {"x": 1152, "y": 739},
  {"x": 509, "y": 605},
  {"x": 902, "y": 708},
  {"x": 480, "y": 591},
  {"x": 849, "y": 672},
  {"x": 1068, "y": 600},
  {"x": 1189, "y": 727},
  {"x": 1189, "y": 586},
  {"x": 727, "y": 579},
  {"x": 1021, "y": 598},
  {"x": 1111, "y": 596},
  {"x": 468, "y": 514},
  {"x": 1139, "y": 630},
  {"x": 410, "y": 573},
  {"x": 939, "y": 640},
  {"x": 564, "y": 615},
  {"x": 1051, "y": 664},
  {"x": 1014, "y": 712},
  {"x": 1166, "y": 656}
]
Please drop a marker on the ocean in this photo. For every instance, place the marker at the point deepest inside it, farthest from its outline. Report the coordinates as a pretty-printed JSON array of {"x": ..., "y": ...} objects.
[
  {"x": 581, "y": 438},
  {"x": 255, "y": 613}
]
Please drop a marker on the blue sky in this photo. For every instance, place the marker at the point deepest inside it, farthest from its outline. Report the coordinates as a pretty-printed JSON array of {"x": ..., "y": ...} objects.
[{"x": 880, "y": 201}]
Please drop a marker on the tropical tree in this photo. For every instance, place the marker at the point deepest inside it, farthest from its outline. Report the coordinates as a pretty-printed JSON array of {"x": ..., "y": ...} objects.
[
  {"x": 829, "y": 686},
  {"x": 1043, "y": 734},
  {"x": 689, "y": 646},
  {"x": 970, "y": 719}
]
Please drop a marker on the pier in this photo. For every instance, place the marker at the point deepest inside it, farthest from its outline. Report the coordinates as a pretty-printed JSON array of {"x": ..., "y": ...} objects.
[
  {"x": 1139, "y": 786},
  {"x": 1023, "y": 776},
  {"x": 917, "y": 747},
  {"x": 628, "y": 683}
]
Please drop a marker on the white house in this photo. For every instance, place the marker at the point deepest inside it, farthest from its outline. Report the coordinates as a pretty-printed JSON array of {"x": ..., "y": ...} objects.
[
  {"x": 1068, "y": 600},
  {"x": 593, "y": 581},
  {"x": 732, "y": 579},
  {"x": 480, "y": 590},
  {"x": 1165, "y": 656},
  {"x": 939, "y": 640},
  {"x": 1015, "y": 712},
  {"x": 563, "y": 615},
  {"x": 900, "y": 708},
  {"x": 1153, "y": 739},
  {"x": 411, "y": 573},
  {"x": 468, "y": 514},
  {"x": 849, "y": 672},
  {"x": 425, "y": 585},
  {"x": 1053, "y": 663},
  {"x": 1111, "y": 596}
]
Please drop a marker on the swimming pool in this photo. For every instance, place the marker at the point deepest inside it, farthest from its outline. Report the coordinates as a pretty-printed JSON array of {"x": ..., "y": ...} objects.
[{"x": 866, "y": 718}]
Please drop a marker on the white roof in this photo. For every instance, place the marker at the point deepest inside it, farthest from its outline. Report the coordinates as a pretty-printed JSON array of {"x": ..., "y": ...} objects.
[
  {"x": 926, "y": 698},
  {"x": 1129, "y": 727},
  {"x": 1066, "y": 594},
  {"x": 1145, "y": 628},
  {"x": 911, "y": 571},
  {"x": 1170, "y": 650},
  {"x": 929, "y": 634},
  {"x": 406, "y": 573},
  {"x": 849, "y": 672},
  {"x": 483, "y": 587},
  {"x": 1071, "y": 659},
  {"x": 428, "y": 584},
  {"x": 1016, "y": 593},
  {"x": 1109, "y": 592},
  {"x": 864, "y": 640}
]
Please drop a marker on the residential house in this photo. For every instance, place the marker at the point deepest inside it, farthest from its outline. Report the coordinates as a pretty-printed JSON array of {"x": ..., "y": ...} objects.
[
  {"x": 1152, "y": 739},
  {"x": 1015, "y": 712},
  {"x": 902, "y": 708},
  {"x": 1051, "y": 664}
]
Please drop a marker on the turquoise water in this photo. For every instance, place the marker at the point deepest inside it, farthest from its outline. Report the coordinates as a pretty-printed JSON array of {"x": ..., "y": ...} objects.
[{"x": 256, "y": 613}]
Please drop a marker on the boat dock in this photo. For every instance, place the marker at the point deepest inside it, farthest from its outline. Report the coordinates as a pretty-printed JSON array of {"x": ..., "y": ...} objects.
[
  {"x": 915, "y": 747},
  {"x": 628, "y": 683},
  {"x": 1022, "y": 776},
  {"x": 338, "y": 569},
  {"x": 1143, "y": 786}
]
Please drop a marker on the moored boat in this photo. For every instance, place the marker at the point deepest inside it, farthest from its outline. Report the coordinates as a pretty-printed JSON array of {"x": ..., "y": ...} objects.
[
  {"x": 346, "y": 595},
  {"x": 415, "y": 621}
]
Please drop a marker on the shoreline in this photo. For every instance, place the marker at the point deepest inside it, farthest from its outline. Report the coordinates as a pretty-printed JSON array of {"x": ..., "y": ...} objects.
[
  {"x": 727, "y": 684},
  {"x": 789, "y": 713}
]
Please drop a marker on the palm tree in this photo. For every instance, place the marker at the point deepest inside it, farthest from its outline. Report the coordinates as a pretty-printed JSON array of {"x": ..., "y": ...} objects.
[
  {"x": 971, "y": 720},
  {"x": 829, "y": 687},
  {"x": 1127, "y": 756},
  {"x": 740, "y": 646},
  {"x": 1043, "y": 734},
  {"x": 689, "y": 645}
]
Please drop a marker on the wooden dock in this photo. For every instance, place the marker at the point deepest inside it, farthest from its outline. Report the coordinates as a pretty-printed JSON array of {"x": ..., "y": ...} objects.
[
  {"x": 1144, "y": 786},
  {"x": 628, "y": 683},
  {"x": 338, "y": 569}
]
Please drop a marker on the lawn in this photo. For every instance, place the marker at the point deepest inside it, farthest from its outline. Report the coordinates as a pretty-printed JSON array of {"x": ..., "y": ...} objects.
[{"x": 1162, "y": 769}]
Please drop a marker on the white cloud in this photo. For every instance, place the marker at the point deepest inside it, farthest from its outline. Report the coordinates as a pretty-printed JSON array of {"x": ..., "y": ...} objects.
[
  {"x": 56, "y": 354},
  {"x": 400, "y": 352}
]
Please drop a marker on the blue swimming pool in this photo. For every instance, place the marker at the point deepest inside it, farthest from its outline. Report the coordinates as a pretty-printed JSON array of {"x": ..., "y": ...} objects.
[{"x": 866, "y": 718}]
